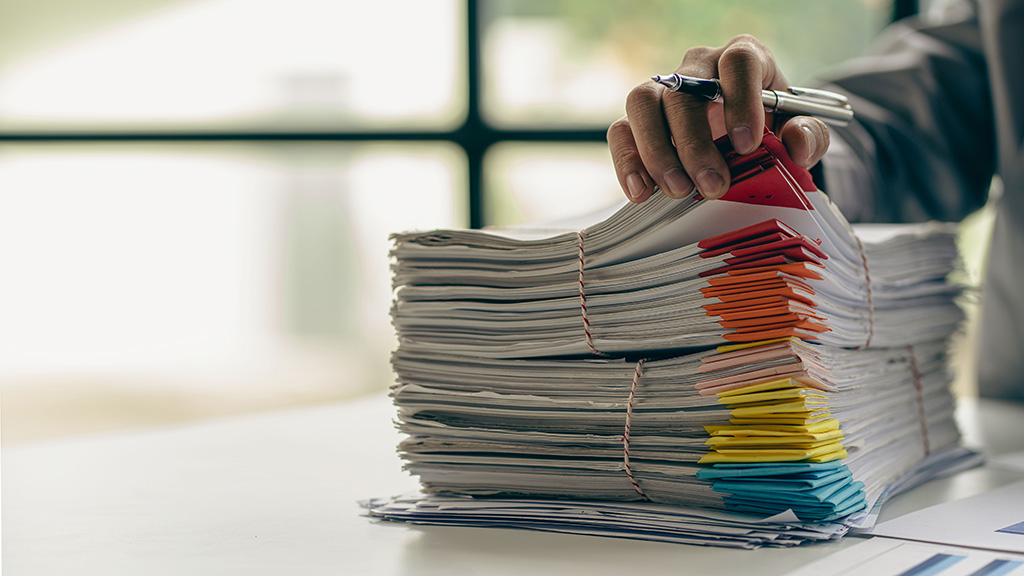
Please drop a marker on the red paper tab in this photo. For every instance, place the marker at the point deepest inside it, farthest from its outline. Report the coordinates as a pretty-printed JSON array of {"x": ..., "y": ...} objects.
[
  {"x": 798, "y": 269},
  {"x": 724, "y": 307},
  {"x": 801, "y": 241},
  {"x": 769, "y": 334},
  {"x": 783, "y": 280},
  {"x": 776, "y": 260},
  {"x": 759, "y": 241},
  {"x": 788, "y": 307},
  {"x": 742, "y": 298},
  {"x": 766, "y": 177},
  {"x": 711, "y": 291},
  {"x": 747, "y": 233},
  {"x": 803, "y": 323}
]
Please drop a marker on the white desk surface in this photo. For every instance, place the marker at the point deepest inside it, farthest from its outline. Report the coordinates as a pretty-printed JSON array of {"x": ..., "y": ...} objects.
[{"x": 276, "y": 494}]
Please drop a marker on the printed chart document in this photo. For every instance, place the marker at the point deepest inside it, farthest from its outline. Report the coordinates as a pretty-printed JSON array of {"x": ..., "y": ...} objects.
[
  {"x": 993, "y": 520},
  {"x": 886, "y": 557}
]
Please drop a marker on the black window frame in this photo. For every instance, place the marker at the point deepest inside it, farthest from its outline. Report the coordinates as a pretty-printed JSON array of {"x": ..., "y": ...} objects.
[{"x": 474, "y": 136}]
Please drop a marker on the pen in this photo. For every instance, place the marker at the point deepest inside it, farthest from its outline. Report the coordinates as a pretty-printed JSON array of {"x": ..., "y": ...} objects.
[{"x": 830, "y": 107}]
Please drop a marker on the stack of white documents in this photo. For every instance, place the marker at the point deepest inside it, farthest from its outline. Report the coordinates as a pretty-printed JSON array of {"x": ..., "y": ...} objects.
[{"x": 754, "y": 354}]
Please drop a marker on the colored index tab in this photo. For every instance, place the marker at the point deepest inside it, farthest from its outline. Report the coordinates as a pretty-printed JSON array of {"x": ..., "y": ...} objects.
[{"x": 746, "y": 233}]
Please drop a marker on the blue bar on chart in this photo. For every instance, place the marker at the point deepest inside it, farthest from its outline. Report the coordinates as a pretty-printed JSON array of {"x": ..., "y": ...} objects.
[
  {"x": 1017, "y": 528},
  {"x": 937, "y": 564},
  {"x": 999, "y": 567}
]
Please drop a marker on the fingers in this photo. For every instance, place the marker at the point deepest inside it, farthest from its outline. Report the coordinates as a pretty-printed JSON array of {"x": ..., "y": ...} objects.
[
  {"x": 646, "y": 118},
  {"x": 688, "y": 122},
  {"x": 742, "y": 71},
  {"x": 629, "y": 168},
  {"x": 695, "y": 145},
  {"x": 667, "y": 138},
  {"x": 806, "y": 139}
]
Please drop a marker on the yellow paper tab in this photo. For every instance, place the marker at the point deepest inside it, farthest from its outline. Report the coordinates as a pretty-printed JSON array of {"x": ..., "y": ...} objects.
[
  {"x": 804, "y": 453},
  {"x": 782, "y": 420},
  {"x": 773, "y": 429},
  {"x": 826, "y": 453},
  {"x": 785, "y": 394},
  {"x": 780, "y": 384},
  {"x": 803, "y": 442},
  {"x": 799, "y": 409},
  {"x": 745, "y": 345},
  {"x": 831, "y": 456}
]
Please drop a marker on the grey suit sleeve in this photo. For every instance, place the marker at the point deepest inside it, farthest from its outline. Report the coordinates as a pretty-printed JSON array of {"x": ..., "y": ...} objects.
[{"x": 922, "y": 146}]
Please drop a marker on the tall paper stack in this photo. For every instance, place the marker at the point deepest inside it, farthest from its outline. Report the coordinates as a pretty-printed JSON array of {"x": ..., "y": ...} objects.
[{"x": 754, "y": 354}]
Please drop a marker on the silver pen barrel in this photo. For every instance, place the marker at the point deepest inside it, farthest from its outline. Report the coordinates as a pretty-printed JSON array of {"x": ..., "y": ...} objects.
[
  {"x": 827, "y": 112},
  {"x": 830, "y": 107}
]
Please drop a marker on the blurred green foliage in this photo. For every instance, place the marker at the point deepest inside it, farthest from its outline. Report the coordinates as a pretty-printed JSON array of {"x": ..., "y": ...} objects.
[{"x": 651, "y": 36}]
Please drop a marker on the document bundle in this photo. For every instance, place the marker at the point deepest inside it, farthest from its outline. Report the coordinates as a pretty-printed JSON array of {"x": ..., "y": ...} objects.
[{"x": 745, "y": 371}]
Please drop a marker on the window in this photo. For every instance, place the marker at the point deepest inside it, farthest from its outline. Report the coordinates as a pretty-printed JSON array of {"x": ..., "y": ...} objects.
[
  {"x": 568, "y": 64},
  {"x": 195, "y": 195}
]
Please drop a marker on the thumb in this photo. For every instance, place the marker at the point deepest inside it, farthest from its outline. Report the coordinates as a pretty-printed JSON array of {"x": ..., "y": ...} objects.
[{"x": 806, "y": 139}]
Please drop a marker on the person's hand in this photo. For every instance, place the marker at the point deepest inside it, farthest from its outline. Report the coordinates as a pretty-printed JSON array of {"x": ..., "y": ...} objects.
[{"x": 667, "y": 138}]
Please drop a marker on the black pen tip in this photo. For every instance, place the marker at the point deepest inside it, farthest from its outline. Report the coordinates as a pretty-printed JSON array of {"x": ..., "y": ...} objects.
[
  {"x": 670, "y": 81},
  {"x": 708, "y": 89}
]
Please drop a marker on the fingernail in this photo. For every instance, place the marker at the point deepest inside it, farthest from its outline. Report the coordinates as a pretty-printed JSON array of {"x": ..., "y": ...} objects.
[
  {"x": 711, "y": 184},
  {"x": 634, "y": 185},
  {"x": 812, "y": 143},
  {"x": 742, "y": 139},
  {"x": 679, "y": 184}
]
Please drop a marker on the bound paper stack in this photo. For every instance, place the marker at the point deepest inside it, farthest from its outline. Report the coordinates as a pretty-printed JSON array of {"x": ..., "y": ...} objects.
[{"x": 754, "y": 354}]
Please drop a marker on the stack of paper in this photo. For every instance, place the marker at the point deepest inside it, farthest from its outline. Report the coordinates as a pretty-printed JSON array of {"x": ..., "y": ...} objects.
[
  {"x": 638, "y": 520},
  {"x": 753, "y": 354}
]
